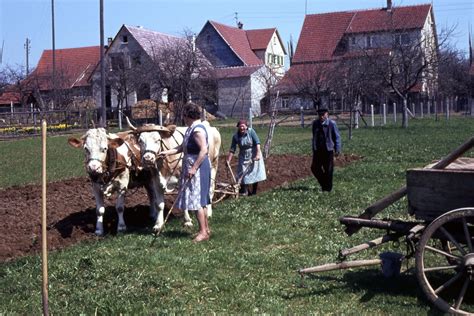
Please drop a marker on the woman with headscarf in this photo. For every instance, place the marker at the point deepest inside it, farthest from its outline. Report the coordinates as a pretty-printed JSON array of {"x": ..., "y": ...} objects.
[
  {"x": 196, "y": 171},
  {"x": 251, "y": 167}
]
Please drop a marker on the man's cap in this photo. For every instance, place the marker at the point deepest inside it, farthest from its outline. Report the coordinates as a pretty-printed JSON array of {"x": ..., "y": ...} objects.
[{"x": 322, "y": 111}]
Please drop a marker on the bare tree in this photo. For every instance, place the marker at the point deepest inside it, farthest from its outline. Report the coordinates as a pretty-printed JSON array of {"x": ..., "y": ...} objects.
[
  {"x": 409, "y": 64},
  {"x": 454, "y": 76},
  {"x": 178, "y": 67},
  {"x": 312, "y": 81},
  {"x": 268, "y": 79},
  {"x": 12, "y": 78}
]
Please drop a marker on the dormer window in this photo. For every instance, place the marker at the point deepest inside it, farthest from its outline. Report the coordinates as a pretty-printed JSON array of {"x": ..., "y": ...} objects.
[{"x": 124, "y": 39}]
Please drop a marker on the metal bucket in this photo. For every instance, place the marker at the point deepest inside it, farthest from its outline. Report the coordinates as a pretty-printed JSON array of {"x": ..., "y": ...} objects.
[{"x": 391, "y": 263}]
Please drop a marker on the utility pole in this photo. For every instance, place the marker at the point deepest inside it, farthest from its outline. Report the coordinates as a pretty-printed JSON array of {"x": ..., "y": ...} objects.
[
  {"x": 54, "y": 54},
  {"x": 27, "y": 48},
  {"x": 103, "y": 113},
  {"x": 1, "y": 51}
]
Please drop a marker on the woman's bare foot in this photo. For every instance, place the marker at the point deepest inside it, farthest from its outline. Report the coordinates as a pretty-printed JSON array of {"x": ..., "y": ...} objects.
[{"x": 201, "y": 237}]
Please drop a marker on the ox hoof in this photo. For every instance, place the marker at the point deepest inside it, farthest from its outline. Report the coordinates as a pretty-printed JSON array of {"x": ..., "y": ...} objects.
[
  {"x": 121, "y": 229},
  {"x": 157, "y": 229},
  {"x": 99, "y": 233},
  {"x": 188, "y": 224}
]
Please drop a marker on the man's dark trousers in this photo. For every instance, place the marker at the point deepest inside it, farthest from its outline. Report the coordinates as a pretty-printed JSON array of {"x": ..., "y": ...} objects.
[{"x": 322, "y": 167}]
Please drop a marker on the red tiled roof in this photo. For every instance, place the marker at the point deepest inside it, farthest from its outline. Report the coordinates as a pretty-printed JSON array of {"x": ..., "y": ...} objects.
[
  {"x": 259, "y": 39},
  {"x": 399, "y": 18},
  {"x": 10, "y": 96},
  {"x": 237, "y": 40},
  {"x": 321, "y": 33},
  {"x": 73, "y": 67},
  {"x": 235, "y": 72}
]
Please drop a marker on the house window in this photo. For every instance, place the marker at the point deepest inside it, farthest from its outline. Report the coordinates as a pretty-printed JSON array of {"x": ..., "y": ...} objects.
[
  {"x": 353, "y": 41},
  {"x": 285, "y": 103},
  {"x": 269, "y": 58},
  {"x": 136, "y": 60},
  {"x": 369, "y": 41},
  {"x": 124, "y": 39},
  {"x": 404, "y": 39},
  {"x": 117, "y": 62}
]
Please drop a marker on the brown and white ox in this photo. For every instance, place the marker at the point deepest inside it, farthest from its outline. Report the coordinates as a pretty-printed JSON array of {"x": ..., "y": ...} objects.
[
  {"x": 152, "y": 142},
  {"x": 113, "y": 165}
]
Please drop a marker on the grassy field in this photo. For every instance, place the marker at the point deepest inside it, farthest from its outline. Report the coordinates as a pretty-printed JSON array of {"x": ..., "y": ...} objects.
[{"x": 258, "y": 243}]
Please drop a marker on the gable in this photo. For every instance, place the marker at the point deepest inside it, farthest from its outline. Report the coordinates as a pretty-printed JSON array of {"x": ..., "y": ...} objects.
[
  {"x": 238, "y": 42},
  {"x": 216, "y": 49},
  {"x": 259, "y": 39}
]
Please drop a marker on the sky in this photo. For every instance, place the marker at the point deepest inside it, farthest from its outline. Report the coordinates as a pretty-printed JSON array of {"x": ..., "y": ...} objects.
[{"x": 77, "y": 22}]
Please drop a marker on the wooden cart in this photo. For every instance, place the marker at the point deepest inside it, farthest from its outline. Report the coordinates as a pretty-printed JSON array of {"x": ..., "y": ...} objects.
[{"x": 440, "y": 238}]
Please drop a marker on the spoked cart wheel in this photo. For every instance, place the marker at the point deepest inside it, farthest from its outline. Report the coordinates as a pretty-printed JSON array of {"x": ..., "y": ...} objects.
[{"x": 448, "y": 284}]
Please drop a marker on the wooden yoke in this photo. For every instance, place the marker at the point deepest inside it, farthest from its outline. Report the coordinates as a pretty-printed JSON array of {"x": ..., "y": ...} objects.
[{"x": 381, "y": 204}]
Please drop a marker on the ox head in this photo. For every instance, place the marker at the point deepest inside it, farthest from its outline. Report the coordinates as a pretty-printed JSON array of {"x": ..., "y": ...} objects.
[
  {"x": 95, "y": 142},
  {"x": 151, "y": 142}
]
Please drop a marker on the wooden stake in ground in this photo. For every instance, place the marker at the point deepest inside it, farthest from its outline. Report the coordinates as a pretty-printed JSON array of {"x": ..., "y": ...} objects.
[{"x": 44, "y": 246}]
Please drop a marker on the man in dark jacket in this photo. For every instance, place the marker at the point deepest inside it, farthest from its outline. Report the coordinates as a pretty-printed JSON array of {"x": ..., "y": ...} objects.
[{"x": 326, "y": 144}]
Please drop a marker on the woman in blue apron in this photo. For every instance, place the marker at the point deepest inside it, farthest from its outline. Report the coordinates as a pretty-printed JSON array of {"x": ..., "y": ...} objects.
[
  {"x": 251, "y": 167},
  {"x": 195, "y": 177}
]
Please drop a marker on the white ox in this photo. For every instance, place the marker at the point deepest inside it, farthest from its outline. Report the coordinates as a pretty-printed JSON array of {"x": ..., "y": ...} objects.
[
  {"x": 154, "y": 139},
  {"x": 112, "y": 163}
]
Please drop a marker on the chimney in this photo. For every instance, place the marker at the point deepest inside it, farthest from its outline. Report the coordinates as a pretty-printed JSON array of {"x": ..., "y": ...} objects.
[
  {"x": 109, "y": 41},
  {"x": 240, "y": 25},
  {"x": 389, "y": 5}
]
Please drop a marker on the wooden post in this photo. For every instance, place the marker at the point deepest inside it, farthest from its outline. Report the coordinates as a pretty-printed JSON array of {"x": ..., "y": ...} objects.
[
  {"x": 413, "y": 106},
  {"x": 428, "y": 106},
  {"x": 120, "y": 115},
  {"x": 356, "y": 118},
  {"x": 372, "y": 121},
  {"x": 44, "y": 240},
  {"x": 471, "y": 100},
  {"x": 384, "y": 114},
  {"x": 350, "y": 123},
  {"x": 447, "y": 108},
  {"x": 160, "y": 117},
  {"x": 302, "y": 116},
  {"x": 421, "y": 109},
  {"x": 250, "y": 117},
  {"x": 394, "y": 112}
]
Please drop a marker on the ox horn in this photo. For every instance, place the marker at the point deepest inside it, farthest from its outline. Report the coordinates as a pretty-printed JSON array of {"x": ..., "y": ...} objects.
[{"x": 130, "y": 124}]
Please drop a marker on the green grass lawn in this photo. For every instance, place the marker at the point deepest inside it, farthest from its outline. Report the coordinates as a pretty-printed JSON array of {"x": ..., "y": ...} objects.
[{"x": 258, "y": 243}]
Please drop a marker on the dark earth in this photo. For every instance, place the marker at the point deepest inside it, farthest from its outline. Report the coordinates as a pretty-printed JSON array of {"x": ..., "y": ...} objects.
[{"x": 71, "y": 208}]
